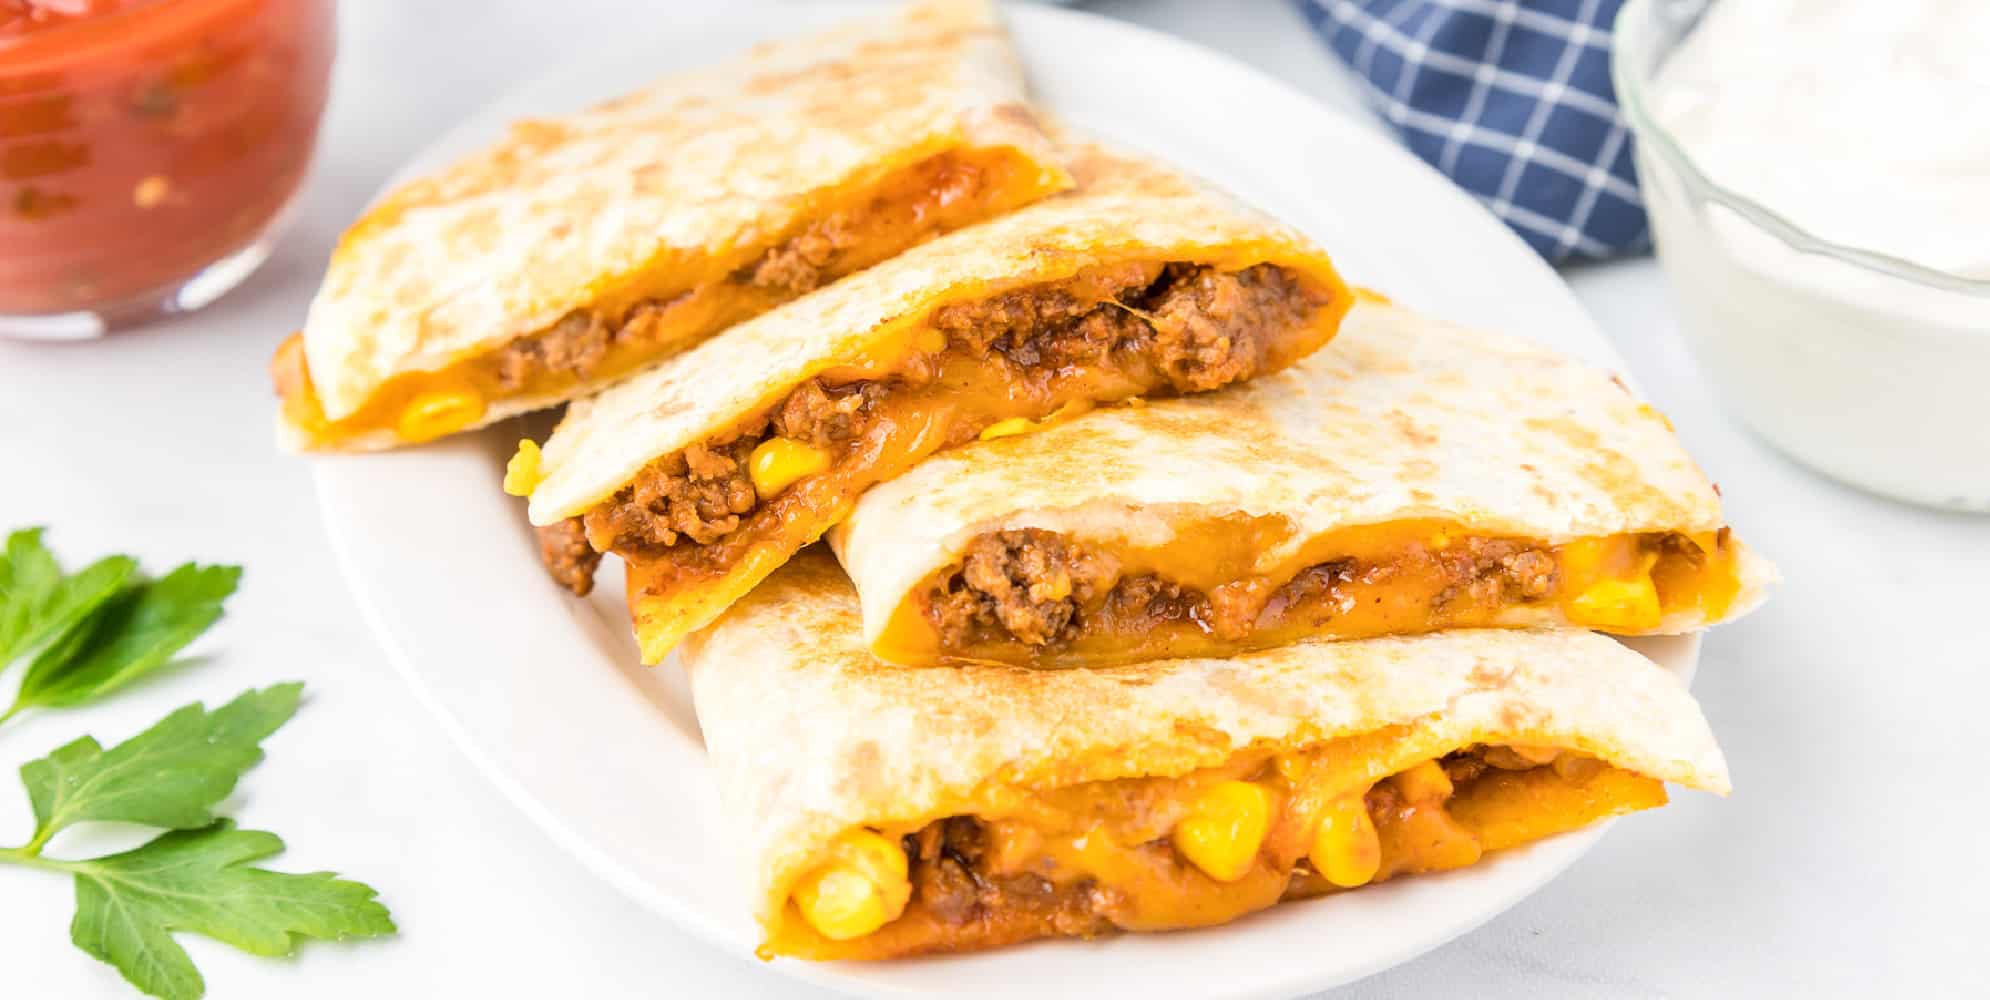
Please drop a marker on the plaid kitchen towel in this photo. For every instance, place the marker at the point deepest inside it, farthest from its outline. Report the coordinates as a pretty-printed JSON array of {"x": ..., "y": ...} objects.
[{"x": 1512, "y": 100}]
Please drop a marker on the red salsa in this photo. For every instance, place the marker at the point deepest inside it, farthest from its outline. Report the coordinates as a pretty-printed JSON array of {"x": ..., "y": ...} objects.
[{"x": 142, "y": 140}]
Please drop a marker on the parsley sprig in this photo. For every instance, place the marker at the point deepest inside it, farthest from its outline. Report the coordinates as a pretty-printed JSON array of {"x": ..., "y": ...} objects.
[{"x": 97, "y": 630}]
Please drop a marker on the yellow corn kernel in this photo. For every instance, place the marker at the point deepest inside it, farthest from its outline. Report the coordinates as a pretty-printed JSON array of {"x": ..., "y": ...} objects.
[
  {"x": 1346, "y": 850},
  {"x": 434, "y": 414},
  {"x": 778, "y": 462},
  {"x": 862, "y": 887},
  {"x": 1426, "y": 782},
  {"x": 522, "y": 474},
  {"x": 1008, "y": 428},
  {"x": 1618, "y": 605},
  {"x": 1224, "y": 828}
]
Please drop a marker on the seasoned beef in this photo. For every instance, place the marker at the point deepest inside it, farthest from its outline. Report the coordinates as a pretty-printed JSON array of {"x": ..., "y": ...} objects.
[
  {"x": 574, "y": 345},
  {"x": 1070, "y": 323},
  {"x": 824, "y": 416},
  {"x": 1210, "y": 326},
  {"x": 894, "y": 219},
  {"x": 1491, "y": 571},
  {"x": 705, "y": 493},
  {"x": 1021, "y": 323},
  {"x": 563, "y": 548},
  {"x": 1202, "y": 327},
  {"x": 699, "y": 494},
  {"x": 951, "y": 880},
  {"x": 1317, "y": 581},
  {"x": 797, "y": 266},
  {"x": 1029, "y": 581},
  {"x": 1146, "y": 597}
]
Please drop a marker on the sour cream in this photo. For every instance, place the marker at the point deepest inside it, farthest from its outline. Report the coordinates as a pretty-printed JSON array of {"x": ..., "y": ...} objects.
[{"x": 1864, "y": 124}]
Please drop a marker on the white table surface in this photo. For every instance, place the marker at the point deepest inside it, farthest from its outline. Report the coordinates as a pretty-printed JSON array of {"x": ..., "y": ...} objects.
[{"x": 1849, "y": 860}]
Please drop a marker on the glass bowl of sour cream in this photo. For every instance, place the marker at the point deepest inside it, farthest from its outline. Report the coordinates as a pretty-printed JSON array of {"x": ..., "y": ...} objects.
[{"x": 1817, "y": 174}]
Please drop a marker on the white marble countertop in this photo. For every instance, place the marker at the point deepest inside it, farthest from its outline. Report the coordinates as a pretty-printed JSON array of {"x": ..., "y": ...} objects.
[{"x": 1847, "y": 862}]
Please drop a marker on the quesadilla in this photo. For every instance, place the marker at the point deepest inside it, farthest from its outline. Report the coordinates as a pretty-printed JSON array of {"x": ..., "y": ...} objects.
[
  {"x": 885, "y": 811},
  {"x": 580, "y": 248},
  {"x": 710, "y": 469},
  {"x": 1411, "y": 476}
]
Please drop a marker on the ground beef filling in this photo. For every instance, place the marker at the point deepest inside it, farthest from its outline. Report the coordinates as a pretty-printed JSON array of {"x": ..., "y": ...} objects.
[
  {"x": 705, "y": 493},
  {"x": 1028, "y": 582},
  {"x": 809, "y": 259},
  {"x": 1196, "y": 327},
  {"x": 1495, "y": 571},
  {"x": 699, "y": 494},
  {"x": 952, "y": 882},
  {"x": 1203, "y": 328},
  {"x": 911, "y": 209},
  {"x": 563, "y": 548},
  {"x": 1042, "y": 589},
  {"x": 575, "y": 346}
]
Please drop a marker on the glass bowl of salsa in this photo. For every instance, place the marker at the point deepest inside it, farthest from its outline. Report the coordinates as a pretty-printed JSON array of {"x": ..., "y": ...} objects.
[{"x": 148, "y": 151}]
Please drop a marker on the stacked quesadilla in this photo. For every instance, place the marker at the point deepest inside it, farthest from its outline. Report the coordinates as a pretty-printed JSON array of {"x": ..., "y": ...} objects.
[
  {"x": 707, "y": 471},
  {"x": 1165, "y": 595},
  {"x": 1163, "y": 665},
  {"x": 1411, "y": 476}
]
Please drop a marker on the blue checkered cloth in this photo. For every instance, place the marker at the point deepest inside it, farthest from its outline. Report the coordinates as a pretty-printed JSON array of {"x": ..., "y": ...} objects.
[{"x": 1512, "y": 100}]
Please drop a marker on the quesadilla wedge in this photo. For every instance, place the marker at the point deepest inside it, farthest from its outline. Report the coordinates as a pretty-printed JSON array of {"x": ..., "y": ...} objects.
[
  {"x": 1411, "y": 476},
  {"x": 884, "y": 811},
  {"x": 710, "y": 469},
  {"x": 580, "y": 248}
]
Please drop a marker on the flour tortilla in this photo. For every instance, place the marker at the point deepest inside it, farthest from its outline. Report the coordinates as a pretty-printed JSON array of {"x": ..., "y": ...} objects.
[
  {"x": 809, "y": 736},
  {"x": 700, "y": 172},
  {"x": 1401, "y": 417}
]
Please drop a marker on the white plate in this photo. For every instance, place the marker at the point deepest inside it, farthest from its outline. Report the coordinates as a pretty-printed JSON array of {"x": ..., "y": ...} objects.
[{"x": 544, "y": 692}]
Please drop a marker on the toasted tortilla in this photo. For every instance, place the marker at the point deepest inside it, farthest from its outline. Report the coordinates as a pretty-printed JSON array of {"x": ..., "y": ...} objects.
[
  {"x": 668, "y": 213},
  {"x": 1413, "y": 475},
  {"x": 1126, "y": 217},
  {"x": 811, "y": 739}
]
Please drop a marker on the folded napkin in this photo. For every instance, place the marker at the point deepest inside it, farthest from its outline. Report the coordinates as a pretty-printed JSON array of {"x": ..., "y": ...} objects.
[{"x": 1512, "y": 100}]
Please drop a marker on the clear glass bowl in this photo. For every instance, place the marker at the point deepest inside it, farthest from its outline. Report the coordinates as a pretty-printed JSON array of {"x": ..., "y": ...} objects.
[
  {"x": 148, "y": 151},
  {"x": 1869, "y": 368}
]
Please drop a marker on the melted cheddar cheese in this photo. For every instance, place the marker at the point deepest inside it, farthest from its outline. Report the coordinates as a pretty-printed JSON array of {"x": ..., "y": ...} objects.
[
  {"x": 1204, "y": 848},
  {"x": 1396, "y": 578}
]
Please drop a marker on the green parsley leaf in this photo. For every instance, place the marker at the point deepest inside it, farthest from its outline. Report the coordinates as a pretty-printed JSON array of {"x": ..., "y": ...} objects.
[
  {"x": 38, "y": 603},
  {"x": 171, "y": 775},
  {"x": 128, "y": 905},
  {"x": 132, "y": 635}
]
